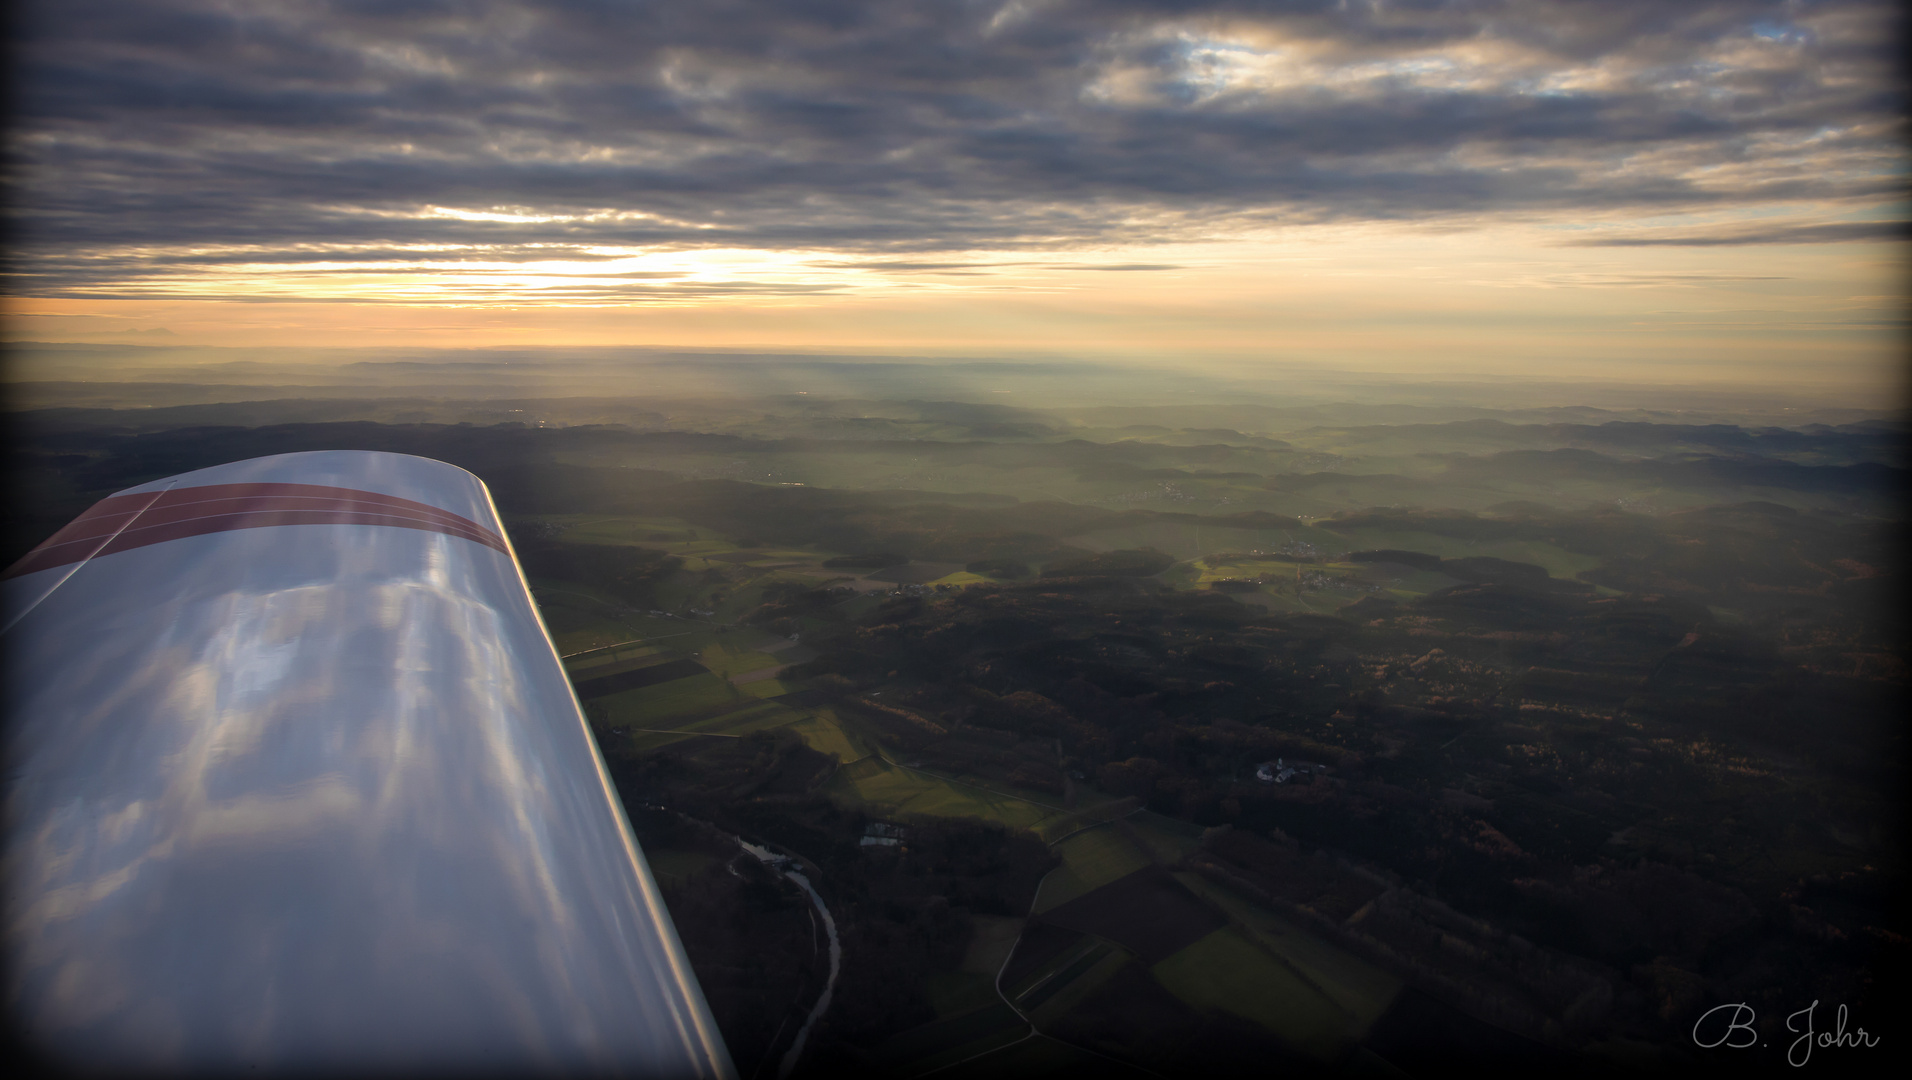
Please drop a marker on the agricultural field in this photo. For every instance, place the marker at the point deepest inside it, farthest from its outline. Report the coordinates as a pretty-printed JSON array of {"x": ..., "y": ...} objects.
[
  {"x": 769, "y": 687},
  {"x": 1052, "y": 967},
  {"x": 896, "y": 791},
  {"x": 673, "y": 866},
  {"x": 1163, "y": 839},
  {"x": 1224, "y": 958},
  {"x": 1226, "y": 972},
  {"x": 575, "y": 630},
  {"x": 822, "y": 733},
  {"x": 679, "y": 699},
  {"x": 1071, "y": 985},
  {"x": 1095, "y": 808},
  {"x": 1120, "y": 931},
  {"x": 1190, "y": 541},
  {"x": 604, "y": 660},
  {"x": 1558, "y": 561},
  {"x": 728, "y": 662},
  {"x": 1147, "y": 912},
  {"x": 990, "y": 944},
  {"x": 1359, "y": 989},
  {"x": 1090, "y": 859}
]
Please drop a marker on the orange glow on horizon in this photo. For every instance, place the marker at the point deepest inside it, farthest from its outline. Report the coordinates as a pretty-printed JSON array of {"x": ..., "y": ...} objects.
[{"x": 1507, "y": 300}]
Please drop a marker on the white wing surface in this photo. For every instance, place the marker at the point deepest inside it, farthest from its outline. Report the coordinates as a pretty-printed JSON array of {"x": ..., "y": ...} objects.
[{"x": 297, "y": 782}]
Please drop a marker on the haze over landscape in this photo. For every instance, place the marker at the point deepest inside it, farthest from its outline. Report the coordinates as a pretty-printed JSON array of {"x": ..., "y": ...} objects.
[{"x": 972, "y": 448}]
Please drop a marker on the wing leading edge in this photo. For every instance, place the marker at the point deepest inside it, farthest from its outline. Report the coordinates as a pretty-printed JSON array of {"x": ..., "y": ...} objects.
[{"x": 297, "y": 781}]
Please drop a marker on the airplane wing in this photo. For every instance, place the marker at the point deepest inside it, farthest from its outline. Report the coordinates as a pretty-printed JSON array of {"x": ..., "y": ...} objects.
[{"x": 295, "y": 780}]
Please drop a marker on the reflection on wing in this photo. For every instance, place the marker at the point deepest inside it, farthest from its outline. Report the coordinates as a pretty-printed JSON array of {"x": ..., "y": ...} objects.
[{"x": 298, "y": 781}]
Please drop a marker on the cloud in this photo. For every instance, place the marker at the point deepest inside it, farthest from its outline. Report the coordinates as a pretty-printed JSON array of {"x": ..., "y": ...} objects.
[
  {"x": 1641, "y": 281},
  {"x": 171, "y": 137},
  {"x": 1839, "y": 232},
  {"x": 909, "y": 266}
]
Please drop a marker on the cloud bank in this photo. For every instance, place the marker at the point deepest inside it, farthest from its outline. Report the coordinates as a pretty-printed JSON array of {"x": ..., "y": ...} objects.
[{"x": 163, "y": 148}]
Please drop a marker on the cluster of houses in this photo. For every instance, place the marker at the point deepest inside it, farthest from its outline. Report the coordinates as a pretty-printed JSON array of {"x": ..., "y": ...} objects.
[
  {"x": 921, "y": 590},
  {"x": 882, "y": 834},
  {"x": 1282, "y": 771}
]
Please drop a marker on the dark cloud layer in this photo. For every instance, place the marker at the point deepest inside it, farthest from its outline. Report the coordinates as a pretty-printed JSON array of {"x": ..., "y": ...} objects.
[
  {"x": 149, "y": 135},
  {"x": 1836, "y": 232}
]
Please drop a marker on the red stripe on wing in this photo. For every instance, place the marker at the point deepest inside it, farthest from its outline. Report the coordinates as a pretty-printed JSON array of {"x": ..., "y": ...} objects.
[{"x": 139, "y": 519}]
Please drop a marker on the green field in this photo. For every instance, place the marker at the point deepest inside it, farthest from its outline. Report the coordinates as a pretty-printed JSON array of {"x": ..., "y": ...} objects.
[
  {"x": 579, "y": 618},
  {"x": 564, "y": 594},
  {"x": 651, "y": 706},
  {"x": 686, "y": 705},
  {"x": 579, "y": 622},
  {"x": 1071, "y": 987},
  {"x": 700, "y": 549},
  {"x": 1274, "y": 568},
  {"x": 588, "y": 636},
  {"x": 760, "y": 717},
  {"x": 607, "y": 661},
  {"x": 1056, "y": 977},
  {"x": 879, "y": 471},
  {"x": 1035, "y": 992},
  {"x": 1326, "y": 602},
  {"x": 1181, "y": 540},
  {"x": 1280, "y": 576},
  {"x": 1084, "y": 948},
  {"x": 765, "y": 688},
  {"x": 899, "y": 792},
  {"x": 738, "y": 723},
  {"x": 728, "y": 662},
  {"x": 1090, "y": 859},
  {"x": 1098, "y": 808},
  {"x": 1165, "y": 839},
  {"x": 1362, "y": 990},
  {"x": 821, "y": 733},
  {"x": 753, "y": 716},
  {"x": 573, "y": 631},
  {"x": 1225, "y": 972},
  {"x": 637, "y": 531},
  {"x": 990, "y": 943},
  {"x": 1559, "y": 562},
  {"x": 604, "y": 529}
]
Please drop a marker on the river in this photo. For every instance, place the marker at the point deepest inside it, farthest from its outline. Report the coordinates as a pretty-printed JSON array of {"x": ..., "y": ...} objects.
[{"x": 779, "y": 864}]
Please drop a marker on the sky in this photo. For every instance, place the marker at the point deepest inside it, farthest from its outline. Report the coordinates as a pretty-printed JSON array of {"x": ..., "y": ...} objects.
[{"x": 1656, "y": 191}]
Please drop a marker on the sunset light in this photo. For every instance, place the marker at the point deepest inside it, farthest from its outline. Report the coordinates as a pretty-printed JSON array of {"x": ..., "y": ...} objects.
[{"x": 975, "y": 539}]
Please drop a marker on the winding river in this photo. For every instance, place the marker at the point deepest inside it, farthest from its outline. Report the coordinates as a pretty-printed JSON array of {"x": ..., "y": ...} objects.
[{"x": 781, "y": 864}]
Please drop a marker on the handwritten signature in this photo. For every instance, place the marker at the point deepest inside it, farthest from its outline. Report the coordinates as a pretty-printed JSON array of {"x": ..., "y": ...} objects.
[{"x": 1740, "y": 1033}]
